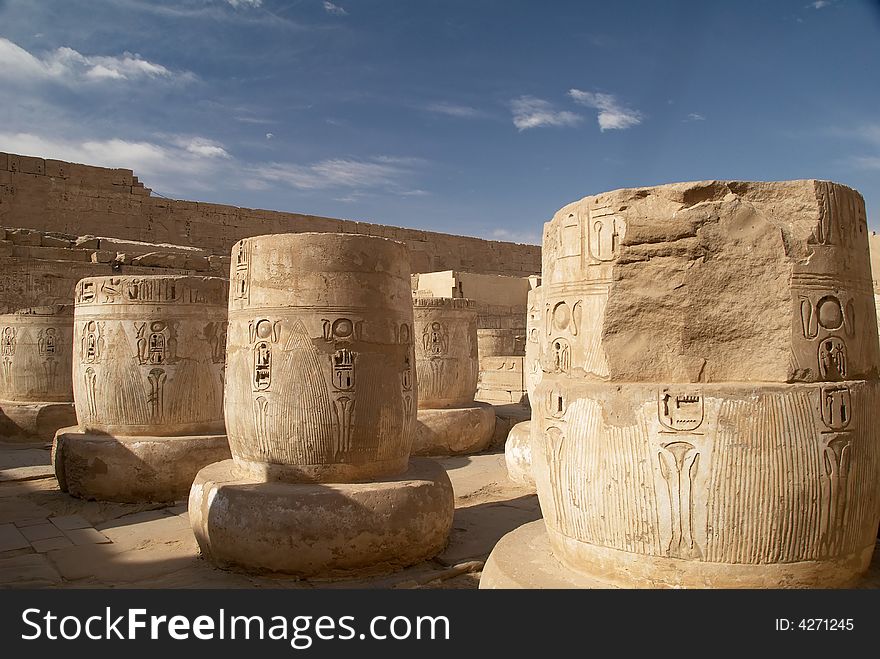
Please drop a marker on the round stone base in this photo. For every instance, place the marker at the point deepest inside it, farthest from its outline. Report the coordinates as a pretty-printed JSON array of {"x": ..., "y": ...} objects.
[
  {"x": 524, "y": 559},
  {"x": 326, "y": 530},
  {"x": 34, "y": 422},
  {"x": 454, "y": 431},
  {"x": 132, "y": 469},
  {"x": 518, "y": 454}
]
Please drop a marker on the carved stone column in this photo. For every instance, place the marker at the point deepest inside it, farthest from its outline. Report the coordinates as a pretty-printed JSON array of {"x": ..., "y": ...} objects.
[
  {"x": 705, "y": 416},
  {"x": 449, "y": 421},
  {"x": 36, "y": 394},
  {"x": 148, "y": 362},
  {"x": 320, "y": 406},
  {"x": 518, "y": 447}
]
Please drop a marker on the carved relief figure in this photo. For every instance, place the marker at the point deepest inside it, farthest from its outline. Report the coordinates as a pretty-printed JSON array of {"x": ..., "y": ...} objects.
[
  {"x": 92, "y": 344},
  {"x": 156, "y": 399},
  {"x": 159, "y": 346},
  {"x": 680, "y": 412},
  {"x": 605, "y": 231},
  {"x": 215, "y": 333},
  {"x": 836, "y": 461},
  {"x": 47, "y": 342},
  {"x": 263, "y": 333},
  {"x": 678, "y": 466},
  {"x": 91, "y": 380},
  {"x": 835, "y": 406},
  {"x": 7, "y": 342},
  {"x": 241, "y": 278},
  {"x": 435, "y": 339},
  {"x": 832, "y": 359},
  {"x": 560, "y": 356}
]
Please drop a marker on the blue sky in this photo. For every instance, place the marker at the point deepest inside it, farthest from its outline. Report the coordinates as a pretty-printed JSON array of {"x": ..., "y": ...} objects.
[{"x": 478, "y": 117}]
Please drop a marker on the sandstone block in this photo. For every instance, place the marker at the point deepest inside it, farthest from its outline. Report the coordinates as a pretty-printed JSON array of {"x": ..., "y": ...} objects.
[{"x": 703, "y": 344}]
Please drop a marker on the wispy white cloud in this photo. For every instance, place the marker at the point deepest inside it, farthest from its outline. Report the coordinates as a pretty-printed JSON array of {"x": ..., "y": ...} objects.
[
  {"x": 694, "y": 116},
  {"x": 336, "y": 10},
  {"x": 383, "y": 172},
  {"x": 530, "y": 112},
  {"x": 68, "y": 66},
  {"x": 201, "y": 147},
  {"x": 172, "y": 164},
  {"x": 612, "y": 114},
  {"x": 819, "y": 4},
  {"x": 453, "y": 110},
  {"x": 245, "y": 3}
]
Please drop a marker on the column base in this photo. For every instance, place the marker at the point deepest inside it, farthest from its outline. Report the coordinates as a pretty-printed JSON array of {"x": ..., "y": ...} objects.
[
  {"x": 132, "y": 469},
  {"x": 524, "y": 558},
  {"x": 454, "y": 430},
  {"x": 34, "y": 422},
  {"x": 325, "y": 530},
  {"x": 518, "y": 454}
]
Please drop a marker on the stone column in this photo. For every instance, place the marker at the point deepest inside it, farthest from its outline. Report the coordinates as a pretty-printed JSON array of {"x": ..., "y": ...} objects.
[
  {"x": 705, "y": 417},
  {"x": 36, "y": 394},
  {"x": 148, "y": 362},
  {"x": 449, "y": 421},
  {"x": 320, "y": 406},
  {"x": 518, "y": 447}
]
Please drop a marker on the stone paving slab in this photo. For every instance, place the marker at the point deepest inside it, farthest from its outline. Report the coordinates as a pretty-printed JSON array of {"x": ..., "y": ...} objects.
[
  {"x": 87, "y": 536},
  {"x": 28, "y": 571},
  {"x": 11, "y": 538},
  {"x": 41, "y": 532},
  {"x": 50, "y": 544},
  {"x": 70, "y": 522}
]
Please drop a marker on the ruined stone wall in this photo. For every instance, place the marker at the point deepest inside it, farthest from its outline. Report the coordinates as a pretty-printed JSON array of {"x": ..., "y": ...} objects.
[{"x": 56, "y": 196}]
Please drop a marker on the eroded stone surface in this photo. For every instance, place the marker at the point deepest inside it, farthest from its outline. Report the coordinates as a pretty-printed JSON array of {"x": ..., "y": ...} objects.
[
  {"x": 326, "y": 530},
  {"x": 746, "y": 310},
  {"x": 149, "y": 355},
  {"x": 36, "y": 392},
  {"x": 321, "y": 379},
  {"x": 447, "y": 364},
  {"x": 454, "y": 431},
  {"x": 518, "y": 454}
]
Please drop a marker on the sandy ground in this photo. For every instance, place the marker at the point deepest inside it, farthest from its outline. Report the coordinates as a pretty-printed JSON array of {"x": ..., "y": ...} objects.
[{"x": 50, "y": 539}]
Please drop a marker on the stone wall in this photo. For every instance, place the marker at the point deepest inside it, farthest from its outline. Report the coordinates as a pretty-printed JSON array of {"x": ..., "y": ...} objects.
[{"x": 56, "y": 196}]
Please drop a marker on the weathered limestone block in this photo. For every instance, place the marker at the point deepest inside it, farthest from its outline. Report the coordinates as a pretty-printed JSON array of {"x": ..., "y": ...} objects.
[
  {"x": 320, "y": 406},
  {"x": 500, "y": 342},
  {"x": 36, "y": 393},
  {"x": 148, "y": 367},
  {"x": 449, "y": 421},
  {"x": 710, "y": 362}
]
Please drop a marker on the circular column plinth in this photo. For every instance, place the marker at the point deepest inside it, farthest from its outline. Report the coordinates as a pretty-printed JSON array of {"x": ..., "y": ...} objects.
[
  {"x": 132, "y": 469},
  {"x": 454, "y": 431},
  {"x": 324, "y": 530},
  {"x": 523, "y": 559},
  {"x": 518, "y": 454},
  {"x": 33, "y": 422}
]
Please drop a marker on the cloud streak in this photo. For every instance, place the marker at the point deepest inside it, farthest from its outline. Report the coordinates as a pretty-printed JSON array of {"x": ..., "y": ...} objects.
[
  {"x": 381, "y": 172},
  {"x": 68, "y": 66},
  {"x": 453, "y": 110},
  {"x": 530, "y": 112},
  {"x": 336, "y": 10},
  {"x": 613, "y": 115}
]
